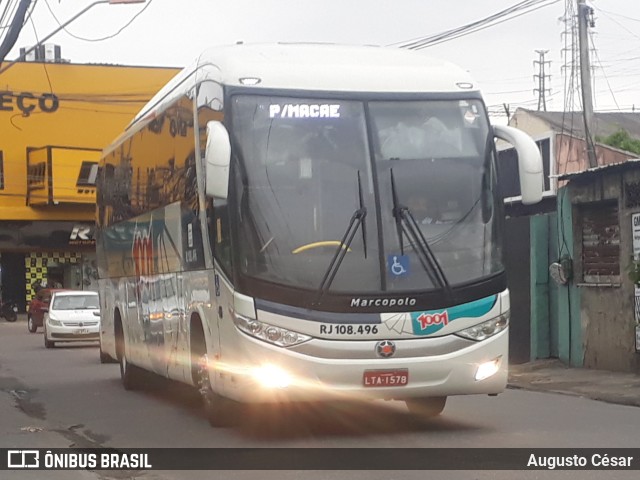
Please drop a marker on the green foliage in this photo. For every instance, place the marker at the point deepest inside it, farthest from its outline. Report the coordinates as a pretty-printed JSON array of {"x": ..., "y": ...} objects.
[{"x": 622, "y": 140}]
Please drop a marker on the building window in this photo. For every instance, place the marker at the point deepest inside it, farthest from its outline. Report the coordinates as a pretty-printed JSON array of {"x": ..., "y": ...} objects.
[
  {"x": 600, "y": 243},
  {"x": 36, "y": 175},
  {"x": 509, "y": 175},
  {"x": 1, "y": 171},
  {"x": 88, "y": 174}
]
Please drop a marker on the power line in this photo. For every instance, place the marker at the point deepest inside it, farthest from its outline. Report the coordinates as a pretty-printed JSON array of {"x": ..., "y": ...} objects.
[
  {"x": 618, "y": 15},
  {"x": 14, "y": 29},
  {"x": 102, "y": 38},
  {"x": 603, "y": 72},
  {"x": 7, "y": 13},
  {"x": 472, "y": 27},
  {"x": 44, "y": 65},
  {"x": 492, "y": 20},
  {"x": 569, "y": 52},
  {"x": 618, "y": 23}
]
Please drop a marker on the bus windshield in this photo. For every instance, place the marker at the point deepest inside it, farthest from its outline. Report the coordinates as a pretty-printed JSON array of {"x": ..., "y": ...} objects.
[{"x": 420, "y": 175}]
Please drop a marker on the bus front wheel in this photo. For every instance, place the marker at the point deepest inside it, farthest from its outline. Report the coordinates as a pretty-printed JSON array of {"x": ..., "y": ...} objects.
[
  {"x": 426, "y": 407},
  {"x": 220, "y": 411},
  {"x": 130, "y": 375}
]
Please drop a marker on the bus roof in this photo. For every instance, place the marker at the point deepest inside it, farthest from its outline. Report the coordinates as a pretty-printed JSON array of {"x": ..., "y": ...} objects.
[{"x": 315, "y": 67}]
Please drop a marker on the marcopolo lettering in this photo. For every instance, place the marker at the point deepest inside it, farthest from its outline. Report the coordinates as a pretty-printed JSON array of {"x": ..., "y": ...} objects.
[
  {"x": 383, "y": 302},
  {"x": 27, "y": 102}
]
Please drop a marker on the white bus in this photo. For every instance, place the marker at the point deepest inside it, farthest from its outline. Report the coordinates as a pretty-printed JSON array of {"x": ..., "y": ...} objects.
[{"x": 299, "y": 222}]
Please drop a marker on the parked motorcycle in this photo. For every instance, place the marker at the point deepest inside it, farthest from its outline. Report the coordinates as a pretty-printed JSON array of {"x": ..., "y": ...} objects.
[{"x": 9, "y": 311}]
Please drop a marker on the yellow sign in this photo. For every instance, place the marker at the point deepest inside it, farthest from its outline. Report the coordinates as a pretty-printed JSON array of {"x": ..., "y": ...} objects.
[{"x": 55, "y": 118}]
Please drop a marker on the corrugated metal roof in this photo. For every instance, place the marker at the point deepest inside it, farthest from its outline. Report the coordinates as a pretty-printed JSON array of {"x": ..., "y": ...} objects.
[
  {"x": 605, "y": 123},
  {"x": 626, "y": 165}
]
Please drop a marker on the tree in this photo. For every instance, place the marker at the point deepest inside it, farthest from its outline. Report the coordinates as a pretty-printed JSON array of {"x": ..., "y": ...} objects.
[{"x": 622, "y": 140}]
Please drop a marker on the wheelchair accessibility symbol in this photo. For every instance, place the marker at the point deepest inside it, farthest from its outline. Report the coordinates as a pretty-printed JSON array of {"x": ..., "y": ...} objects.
[{"x": 398, "y": 265}]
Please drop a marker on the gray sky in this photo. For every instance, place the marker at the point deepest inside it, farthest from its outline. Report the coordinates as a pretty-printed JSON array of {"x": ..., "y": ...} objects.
[{"x": 174, "y": 32}]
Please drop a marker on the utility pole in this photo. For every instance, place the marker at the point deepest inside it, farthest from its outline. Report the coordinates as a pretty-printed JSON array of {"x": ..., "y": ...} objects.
[
  {"x": 14, "y": 28},
  {"x": 585, "y": 20},
  {"x": 541, "y": 76}
]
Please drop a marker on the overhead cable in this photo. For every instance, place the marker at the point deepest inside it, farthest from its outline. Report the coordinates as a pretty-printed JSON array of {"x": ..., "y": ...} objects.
[
  {"x": 101, "y": 38},
  {"x": 14, "y": 30},
  {"x": 524, "y": 7}
]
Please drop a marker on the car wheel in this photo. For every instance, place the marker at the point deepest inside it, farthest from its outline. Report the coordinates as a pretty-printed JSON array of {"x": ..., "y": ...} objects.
[
  {"x": 426, "y": 407},
  {"x": 48, "y": 343},
  {"x": 31, "y": 325},
  {"x": 220, "y": 411}
]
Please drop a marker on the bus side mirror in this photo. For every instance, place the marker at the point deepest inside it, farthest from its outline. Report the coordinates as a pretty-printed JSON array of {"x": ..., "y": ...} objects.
[
  {"x": 217, "y": 158},
  {"x": 529, "y": 162}
]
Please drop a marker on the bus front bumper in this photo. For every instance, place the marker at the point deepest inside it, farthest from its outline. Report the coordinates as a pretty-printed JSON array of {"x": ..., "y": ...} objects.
[{"x": 273, "y": 374}]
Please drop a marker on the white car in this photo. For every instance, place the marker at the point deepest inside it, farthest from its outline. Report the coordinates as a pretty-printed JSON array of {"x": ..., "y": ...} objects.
[{"x": 72, "y": 316}]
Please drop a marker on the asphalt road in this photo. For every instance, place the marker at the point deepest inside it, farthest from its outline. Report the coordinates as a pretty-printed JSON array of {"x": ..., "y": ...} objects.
[{"x": 65, "y": 396}]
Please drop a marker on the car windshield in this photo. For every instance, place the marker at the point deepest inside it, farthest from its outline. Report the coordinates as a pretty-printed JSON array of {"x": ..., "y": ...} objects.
[{"x": 75, "y": 302}]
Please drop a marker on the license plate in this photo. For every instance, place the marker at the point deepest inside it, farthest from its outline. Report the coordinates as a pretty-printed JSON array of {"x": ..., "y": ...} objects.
[
  {"x": 81, "y": 331},
  {"x": 385, "y": 378}
]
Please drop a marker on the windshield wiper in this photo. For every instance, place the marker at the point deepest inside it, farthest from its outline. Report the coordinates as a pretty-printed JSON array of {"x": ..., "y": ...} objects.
[
  {"x": 357, "y": 220},
  {"x": 406, "y": 225}
]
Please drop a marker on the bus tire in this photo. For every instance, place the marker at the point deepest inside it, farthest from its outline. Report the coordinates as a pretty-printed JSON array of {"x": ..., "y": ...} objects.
[
  {"x": 426, "y": 407},
  {"x": 130, "y": 375},
  {"x": 220, "y": 412},
  {"x": 104, "y": 358}
]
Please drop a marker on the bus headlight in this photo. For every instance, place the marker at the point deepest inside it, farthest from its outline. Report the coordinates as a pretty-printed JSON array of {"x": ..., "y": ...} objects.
[
  {"x": 271, "y": 376},
  {"x": 269, "y": 333},
  {"x": 487, "y": 329}
]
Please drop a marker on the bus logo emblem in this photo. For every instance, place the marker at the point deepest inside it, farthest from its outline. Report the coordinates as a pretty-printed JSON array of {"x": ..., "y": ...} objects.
[
  {"x": 427, "y": 323},
  {"x": 385, "y": 349}
]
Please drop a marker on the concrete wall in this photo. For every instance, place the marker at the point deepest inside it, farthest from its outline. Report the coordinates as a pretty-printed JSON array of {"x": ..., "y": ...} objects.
[
  {"x": 607, "y": 310},
  {"x": 531, "y": 124}
]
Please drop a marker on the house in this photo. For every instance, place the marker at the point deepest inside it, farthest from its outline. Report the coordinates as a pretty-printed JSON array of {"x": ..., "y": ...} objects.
[
  {"x": 604, "y": 242},
  {"x": 553, "y": 321},
  {"x": 567, "y": 132}
]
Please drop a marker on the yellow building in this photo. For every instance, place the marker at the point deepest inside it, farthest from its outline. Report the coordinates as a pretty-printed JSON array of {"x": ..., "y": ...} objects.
[{"x": 55, "y": 118}]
